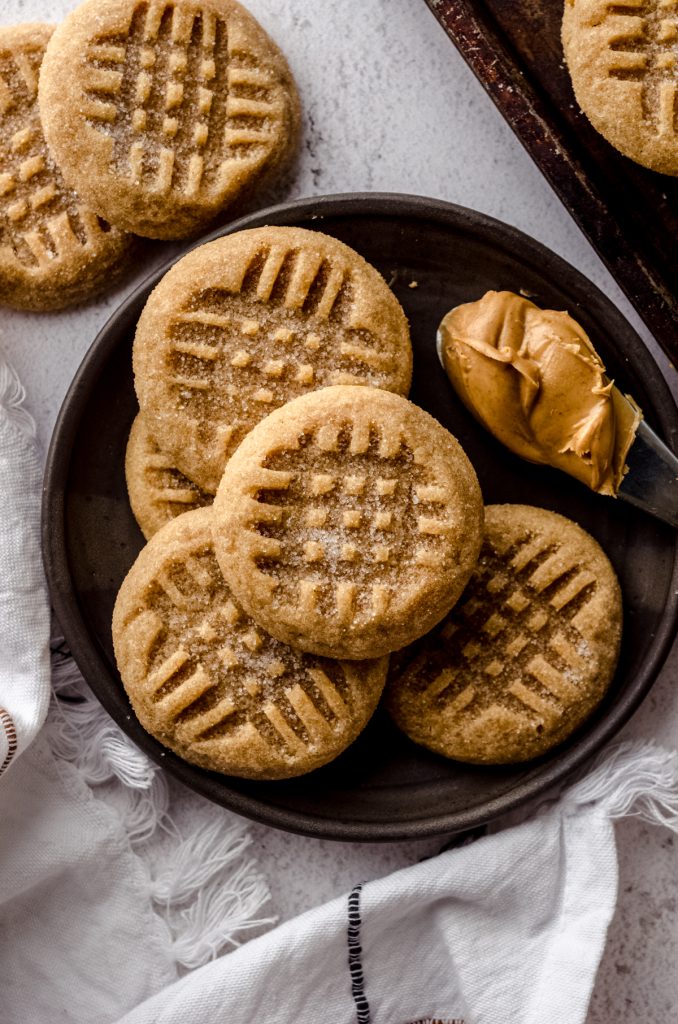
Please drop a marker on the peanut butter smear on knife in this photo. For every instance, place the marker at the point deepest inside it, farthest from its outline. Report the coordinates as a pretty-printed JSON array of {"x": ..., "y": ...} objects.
[{"x": 532, "y": 377}]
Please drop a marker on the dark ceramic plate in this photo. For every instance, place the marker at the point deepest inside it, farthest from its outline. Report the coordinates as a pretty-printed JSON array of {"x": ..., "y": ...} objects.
[{"x": 434, "y": 255}]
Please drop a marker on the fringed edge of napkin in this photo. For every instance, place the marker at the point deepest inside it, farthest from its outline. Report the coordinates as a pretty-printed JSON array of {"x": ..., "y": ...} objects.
[
  {"x": 633, "y": 779},
  {"x": 626, "y": 779},
  {"x": 211, "y": 891}
]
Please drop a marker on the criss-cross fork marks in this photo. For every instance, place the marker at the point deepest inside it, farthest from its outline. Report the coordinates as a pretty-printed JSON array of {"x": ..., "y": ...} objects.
[
  {"x": 645, "y": 50},
  {"x": 216, "y": 673},
  {"x": 40, "y": 220},
  {"x": 342, "y": 518},
  {"x": 529, "y": 654},
  {"x": 180, "y": 101},
  {"x": 289, "y": 330}
]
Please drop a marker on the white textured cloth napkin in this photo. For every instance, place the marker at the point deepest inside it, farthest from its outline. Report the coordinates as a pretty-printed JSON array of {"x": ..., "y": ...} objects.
[
  {"x": 24, "y": 652},
  {"x": 95, "y": 930},
  {"x": 507, "y": 930}
]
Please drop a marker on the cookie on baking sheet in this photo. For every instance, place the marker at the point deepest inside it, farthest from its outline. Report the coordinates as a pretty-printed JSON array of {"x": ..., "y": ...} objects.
[
  {"x": 244, "y": 324},
  {"x": 527, "y": 653},
  {"x": 623, "y": 59},
  {"x": 157, "y": 490},
  {"x": 348, "y": 522},
  {"x": 174, "y": 109},
  {"x": 210, "y": 685},
  {"x": 53, "y": 250}
]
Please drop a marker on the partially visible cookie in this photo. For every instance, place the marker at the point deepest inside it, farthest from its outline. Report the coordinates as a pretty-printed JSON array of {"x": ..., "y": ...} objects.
[
  {"x": 246, "y": 323},
  {"x": 210, "y": 685},
  {"x": 623, "y": 59},
  {"x": 158, "y": 491},
  {"x": 54, "y": 251},
  {"x": 348, "y": 522},
  {"x": 173, "y": 109},
  {"x": 527, "y": 653}
]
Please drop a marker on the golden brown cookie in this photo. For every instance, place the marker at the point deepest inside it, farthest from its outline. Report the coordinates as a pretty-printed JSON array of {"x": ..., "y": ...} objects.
[
  {"x": 53, "y": 250},
  {"x": 246, "y": 323},
  {"x": 348, "y": 522},
  {"x": 527, "y": 653},
  {"x": 173, "y": 110},
  {"x": 623, "y": 59},
  {"x": 158, "y": 491},
  {"x": 210, "y": 685}
]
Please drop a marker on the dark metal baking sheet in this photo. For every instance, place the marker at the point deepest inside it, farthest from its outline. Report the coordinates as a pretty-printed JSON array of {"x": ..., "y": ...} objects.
[{"x": 629, "y": 213}]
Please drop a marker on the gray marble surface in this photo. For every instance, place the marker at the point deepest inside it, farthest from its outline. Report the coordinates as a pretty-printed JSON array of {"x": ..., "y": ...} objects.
[{"x": 390, "y": 106}]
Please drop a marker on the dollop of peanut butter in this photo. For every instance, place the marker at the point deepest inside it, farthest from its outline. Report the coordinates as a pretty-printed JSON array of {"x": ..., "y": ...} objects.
[{"x": 532, "y": 377}]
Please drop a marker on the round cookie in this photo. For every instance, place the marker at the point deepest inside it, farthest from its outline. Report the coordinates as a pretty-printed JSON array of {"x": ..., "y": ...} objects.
[
  {"x": 246, "y": 323},
  {"x": 173, "y": 109},
  {"x": 210, "y": 685},
  {"x": 527, "y": 653},
  {"x": 157, "y": 490},
  {"x": 54, "y": 251},
  {"x": 623, "y": 61},
  {"x": 348, "y": 522}
]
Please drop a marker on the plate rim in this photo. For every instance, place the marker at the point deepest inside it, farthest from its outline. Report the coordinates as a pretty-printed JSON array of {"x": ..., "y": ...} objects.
[{"x": 85, "y": 646}]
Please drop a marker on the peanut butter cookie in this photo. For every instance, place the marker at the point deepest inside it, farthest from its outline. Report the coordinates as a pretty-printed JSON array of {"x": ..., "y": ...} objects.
[
  {"x": 348, "y": 522},
  {"x": 623, "y": 59},
  {"x": 157, "y": 490},
  {"x": 174, "y": 109},
  {"x": 54, "y": 251},
  {"x": 210, "y": 685},
  {"x": 527, "y": 653},
  {"x": 246, "y": 323}
]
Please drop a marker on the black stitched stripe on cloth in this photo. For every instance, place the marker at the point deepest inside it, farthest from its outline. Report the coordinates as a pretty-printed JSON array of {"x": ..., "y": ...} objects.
[
  {"x": 10, "y": 731},
  {"x": 437, "y": 1020},
  {"x": 355, "y": 965}
]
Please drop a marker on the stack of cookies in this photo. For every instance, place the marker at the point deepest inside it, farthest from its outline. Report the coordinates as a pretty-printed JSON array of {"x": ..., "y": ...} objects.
[
  {"x": 305, "y": 520},
  {"x": 253, "y": 636},
  {"x": 174, "y": 111}
]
